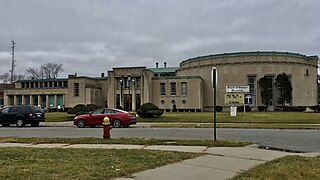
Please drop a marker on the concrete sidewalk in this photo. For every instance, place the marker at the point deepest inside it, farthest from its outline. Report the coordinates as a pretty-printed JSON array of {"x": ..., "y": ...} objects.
[{"x": 216, "y": 163}]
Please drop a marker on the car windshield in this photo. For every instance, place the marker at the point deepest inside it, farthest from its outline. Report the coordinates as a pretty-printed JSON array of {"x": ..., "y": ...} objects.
[{"x": 5, "y": 110}]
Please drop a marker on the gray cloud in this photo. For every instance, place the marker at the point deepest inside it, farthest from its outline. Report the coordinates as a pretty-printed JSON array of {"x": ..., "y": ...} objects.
[{"x": 90, "y": 37}]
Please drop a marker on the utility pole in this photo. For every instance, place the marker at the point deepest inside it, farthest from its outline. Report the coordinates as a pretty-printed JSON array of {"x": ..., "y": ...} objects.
[{"x": 12, "y": 63}]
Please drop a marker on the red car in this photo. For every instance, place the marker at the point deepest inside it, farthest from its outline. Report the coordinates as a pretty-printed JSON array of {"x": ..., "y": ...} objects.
[{"x": 118, "y": 118}]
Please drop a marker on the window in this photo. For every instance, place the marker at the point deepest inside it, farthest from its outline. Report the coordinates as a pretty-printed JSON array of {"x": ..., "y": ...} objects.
[
  {"x": 162, "y": 89},
  {"x": 120, "y": 82},
  {"x": 252, "y": 87},
  {"x": 173, "y": 88},
  {"x": 138, "y": 83},
  {"x": 184, "y": 90},
  {"x": 99, "y": 111},
  {"x": 76, "y": 89}
]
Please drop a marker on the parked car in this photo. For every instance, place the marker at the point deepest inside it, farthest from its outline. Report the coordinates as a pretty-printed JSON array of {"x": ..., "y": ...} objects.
[
  {"x": 21, "y": 115},
  {"x": 118, "y": 118}
]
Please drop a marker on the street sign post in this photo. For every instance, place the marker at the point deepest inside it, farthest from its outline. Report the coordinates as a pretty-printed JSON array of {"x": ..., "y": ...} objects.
[
  {"x": 247, "y": 98},
  {"x": 214, "y": 80}
]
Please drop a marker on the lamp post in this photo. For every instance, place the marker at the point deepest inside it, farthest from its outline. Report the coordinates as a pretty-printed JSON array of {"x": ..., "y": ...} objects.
[
  {"x": 121, "y": 86},
  {"x": 214, "y": 79},
  {"x": 129, "y": 98},
  {"x": 133, "y": 94}
]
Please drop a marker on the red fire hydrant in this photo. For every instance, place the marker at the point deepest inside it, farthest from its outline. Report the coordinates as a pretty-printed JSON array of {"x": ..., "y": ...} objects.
[{"x": 106, "y": 128}]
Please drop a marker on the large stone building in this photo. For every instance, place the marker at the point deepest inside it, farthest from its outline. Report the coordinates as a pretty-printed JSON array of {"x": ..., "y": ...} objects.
[{"x": 188, "y": 86}]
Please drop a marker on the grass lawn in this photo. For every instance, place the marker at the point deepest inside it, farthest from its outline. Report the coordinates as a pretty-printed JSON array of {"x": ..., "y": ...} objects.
[
  {"x": 248, "y": 117},
  {"x": 37, "y": 163},
  {"x": 58, "y": 116},
  {"x": 278, "y": 120},
  {"x": 289, "y": 167},
  {"x": 134, "y": 141}
]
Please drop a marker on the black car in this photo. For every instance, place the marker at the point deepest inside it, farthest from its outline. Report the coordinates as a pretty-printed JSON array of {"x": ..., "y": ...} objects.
[{"x": 22, "y": 115}]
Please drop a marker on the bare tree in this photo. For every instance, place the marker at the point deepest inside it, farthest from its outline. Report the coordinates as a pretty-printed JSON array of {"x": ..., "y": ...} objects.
[
  {"x": 5, "y": 78},
  {"x": 49, "y": 70},
  {"x": 20, "y": 77},
  {"x": 34, "y": 73}
]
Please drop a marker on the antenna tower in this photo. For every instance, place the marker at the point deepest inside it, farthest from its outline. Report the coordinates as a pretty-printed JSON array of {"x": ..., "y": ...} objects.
[{"x": 12, "y": 63}]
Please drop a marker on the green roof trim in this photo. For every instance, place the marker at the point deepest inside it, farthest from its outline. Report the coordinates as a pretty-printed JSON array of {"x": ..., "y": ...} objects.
[
  {"x": 164, "y": 70},
  {"x": 253, "y": 53},
  {"x": 178, "y": 77}
]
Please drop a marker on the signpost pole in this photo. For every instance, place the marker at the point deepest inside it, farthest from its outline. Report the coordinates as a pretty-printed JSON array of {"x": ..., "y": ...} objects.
[{"x": 214, "y": 84}]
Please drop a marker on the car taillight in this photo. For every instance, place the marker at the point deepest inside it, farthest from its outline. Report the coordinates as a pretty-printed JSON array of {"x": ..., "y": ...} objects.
[{"x": 30, "y": 114}]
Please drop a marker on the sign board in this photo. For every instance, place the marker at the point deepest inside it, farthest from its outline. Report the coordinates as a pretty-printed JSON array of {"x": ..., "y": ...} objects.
[
  {"x": 233, "y": 111},
  {"x": 234, "y": 89},
  {"x": 248, "y": 98},
  {"x": 234, "y": 98}
]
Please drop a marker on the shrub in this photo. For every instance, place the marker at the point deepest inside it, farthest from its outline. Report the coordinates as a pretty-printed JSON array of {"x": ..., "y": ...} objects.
[
  {"x": 315, "y": 108},
  {"x": 156, "y": 113},
  {"x": 91, "y": 107},
  {"x": 302, "y": 108},
  {"x": 81, "y": 112},
  {"x": 82, "y": 109},
  {"x": 219, "y": 108},
  {"x": 261, "y": 108},
  {"x": 77, "y": 108},
  {"x": 120, "y": 107},
  {"x": 149, "y": 110},
  {"x": 241, "y": 108}
]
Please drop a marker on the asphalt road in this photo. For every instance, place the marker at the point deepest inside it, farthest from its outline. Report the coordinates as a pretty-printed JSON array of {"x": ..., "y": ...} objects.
[{"x": 297, "y": 140}]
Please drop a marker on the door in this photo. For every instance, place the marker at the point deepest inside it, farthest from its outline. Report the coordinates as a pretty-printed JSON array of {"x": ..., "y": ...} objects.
[
  {"x": 96, "y": 117},
  {"x": 127, "y": 102}
]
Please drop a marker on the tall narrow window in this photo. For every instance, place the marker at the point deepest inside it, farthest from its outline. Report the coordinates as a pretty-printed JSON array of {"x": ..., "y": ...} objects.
[
  {"x": 184, "y": 89},
  {"x": 76, "y": 89},
  {"x": 162, "y": 89},
  {"x": 252, "y": 80},
  {"x": 173, "y": 88}
]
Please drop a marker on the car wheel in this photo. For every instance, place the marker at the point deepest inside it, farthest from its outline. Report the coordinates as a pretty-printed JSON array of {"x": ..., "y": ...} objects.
[
  {"x": 5, "y": 125},
  {"x": 35, "y": 124},
  {"x": 20, "y": 123},
  {"x": 81, "y": 123},
  {"x": 116, "y": 123}
]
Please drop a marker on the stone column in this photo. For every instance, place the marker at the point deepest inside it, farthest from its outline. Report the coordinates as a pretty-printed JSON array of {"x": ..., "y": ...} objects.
[
  {"x": 39, "y": 99},
  {"x": 22, "y": 99},
  {"x": 15, "y": 99},
  {"x": 55, "y": 101}
]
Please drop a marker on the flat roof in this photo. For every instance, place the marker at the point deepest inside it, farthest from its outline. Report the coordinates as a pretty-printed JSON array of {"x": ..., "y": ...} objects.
[
  {"x": 164, "y": 70},
  {"x": 250, "y": 53}
]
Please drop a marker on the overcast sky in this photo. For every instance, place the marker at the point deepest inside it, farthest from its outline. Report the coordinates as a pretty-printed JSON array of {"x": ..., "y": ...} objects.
[{"x": 92, "y": 36}]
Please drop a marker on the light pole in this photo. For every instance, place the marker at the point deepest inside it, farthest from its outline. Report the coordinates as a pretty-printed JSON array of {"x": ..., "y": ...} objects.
[
  {"x": 214, "y": 79},
  {"x": 121, "y": 85},
  {"x": 129, "y": 99},
  {"x": 133, "y": 94}
]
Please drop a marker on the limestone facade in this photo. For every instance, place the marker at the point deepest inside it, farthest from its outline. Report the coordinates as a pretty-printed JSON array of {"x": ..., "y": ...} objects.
[{"x": 187, "y": 87}]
